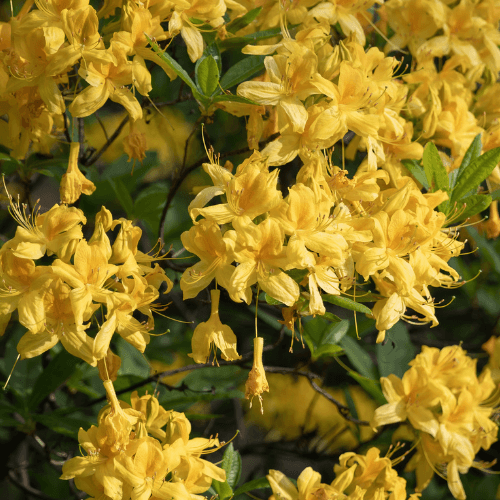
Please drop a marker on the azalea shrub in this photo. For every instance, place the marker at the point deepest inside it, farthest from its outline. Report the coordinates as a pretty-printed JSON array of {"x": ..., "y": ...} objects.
[{"x": 261, "y": 231}]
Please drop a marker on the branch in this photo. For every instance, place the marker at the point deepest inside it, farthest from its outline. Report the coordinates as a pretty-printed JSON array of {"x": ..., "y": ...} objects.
[
  {"x": 157, "y": 376},
  {"x": 28, "y": 489},
  {"x": 343, "y": 410},
  {"x": 184, "y": 172},
  {"x": 108, "y": 143},
  {"x": 177, "y": 180}
]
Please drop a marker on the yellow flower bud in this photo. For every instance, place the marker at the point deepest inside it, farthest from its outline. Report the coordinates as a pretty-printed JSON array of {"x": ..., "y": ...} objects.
[
  {"x": 73, "y": 182},
  {"x": 257, "y": 382}
]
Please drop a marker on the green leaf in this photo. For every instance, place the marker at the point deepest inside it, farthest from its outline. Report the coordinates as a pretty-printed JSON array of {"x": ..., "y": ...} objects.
[
  {"x": 255, "y": 484},
  {"x": 9, "y": 165},
  {"x": 417, "y": 171},
  {"x": 207, "y": 75},
  {"x": 242, "y": 71},
  {"x": 323, "y": 338},
  {"x": 231, "y": 463},
  {"x": 346, "y": 303},
  {"x": 297, "y": 274},
  {"x": 474, "y": 204},
  {"x": 176, "y": 67},
  {"x": 66, "y": 426},
  {"x": 222, "y": 489},
  {"x": 239, "y": 41},
  {"x": 232, "y": 98},
  {"x": 213, "y": 50},
  {"x": 271, "y": 301},
  {"x": 436, "y": 173},
  {"x": 394, "y": 355},
  {"x": 133, "y": 361},
  {"x": 372, "y": 387},
  {"x": 53, "y": 376},
  {"x": 122, "y": 194},
  {"x": 470, "y": 178},
  {"x": 241, "y": 22},
  {"x": 44, "y": 171},
  {"x": 150, "y": 200},
  {"x": 331, "y": 317},
  {"x": 472, "y": 153},
  {"x": 486, "y": 249},
  {"x": 359, "y": 358}
]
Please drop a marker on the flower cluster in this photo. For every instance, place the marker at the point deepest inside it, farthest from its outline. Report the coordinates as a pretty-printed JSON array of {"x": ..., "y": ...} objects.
[
  {"x": 328, "y": 227},
  {"x": 142, "y": 451},
  {"x": 41, "y": 49},
  {"x": 58, "y": 302},
  {"x": 358, "y": 477},
  {"x": 450, "y": 411}
]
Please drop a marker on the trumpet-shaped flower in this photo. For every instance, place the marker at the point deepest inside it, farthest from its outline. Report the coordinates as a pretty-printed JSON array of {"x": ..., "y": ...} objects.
[
  {"x": 213, "y": 333},
  {"x": 259, "y": 250}
]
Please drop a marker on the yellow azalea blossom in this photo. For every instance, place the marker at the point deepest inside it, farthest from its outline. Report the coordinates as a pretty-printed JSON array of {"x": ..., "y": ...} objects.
[
  {"x": 137, "y": 294},
  {"x": 86, "y": 277},
  {"x": 372, "y": 473},
  {"x": 309, "y": 486},
  {"x": 220, "y": 177},
  {"x": 73, "y": 182},
  {"x": 389, "y": 310},
  {"x": 259, "y": 250},
  {"x": 256, "y": 383},
  {"x": 16, "y": 275},
  {"x": 154, "y": 416},
  {"x": 205, "y": 240},
  {"x": 213, "y": 333},
  {"x": 322, "y": 130},
  {"x": 306, "y": 218},
  {"x": 48, "y": 315},
  {"x": 409, "y": 398},
  {"x": 290, "y": 83},
  {"x": 211, "y": 12},
  {"x": 28, "y": 58},
  {"x": 343, "y": 12},
  {"x": 54, "y": 232},
  {"x": 144, "y": 465},
  {"x": 250, "y": 193},
  {"x": 107, "y": 80},
  {"x": 351, "y": 96}
]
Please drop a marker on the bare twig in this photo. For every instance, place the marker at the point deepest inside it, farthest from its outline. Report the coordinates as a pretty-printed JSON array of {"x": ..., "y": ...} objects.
[
  {"x": 343, "y": 410},
  {"x": 177, "y": 180},
  {"x": 108, "y": 143},
  {"x": 81, "y": 138},
  {"x": 28, "y": 489},
  {"x": 153, "y": 378}
]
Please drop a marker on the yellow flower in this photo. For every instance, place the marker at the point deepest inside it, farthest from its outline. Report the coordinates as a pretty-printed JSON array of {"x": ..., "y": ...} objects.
[
  {"x": 205, "y": 240},
  {"x": 55, "y": 232},
  {"x": 256, "y": 383},
  {"x": 73, "y": 182},
  {"x": 409, "y": 398},
  {"x": 260, "y": 251},
  {"x": 48, "y": 314},
  {"x": 213, "y": 334},
  {"x": 250, "y": 193},
  {"x": 86, "y": 277},
  {"x": 290, "y": 83}
]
